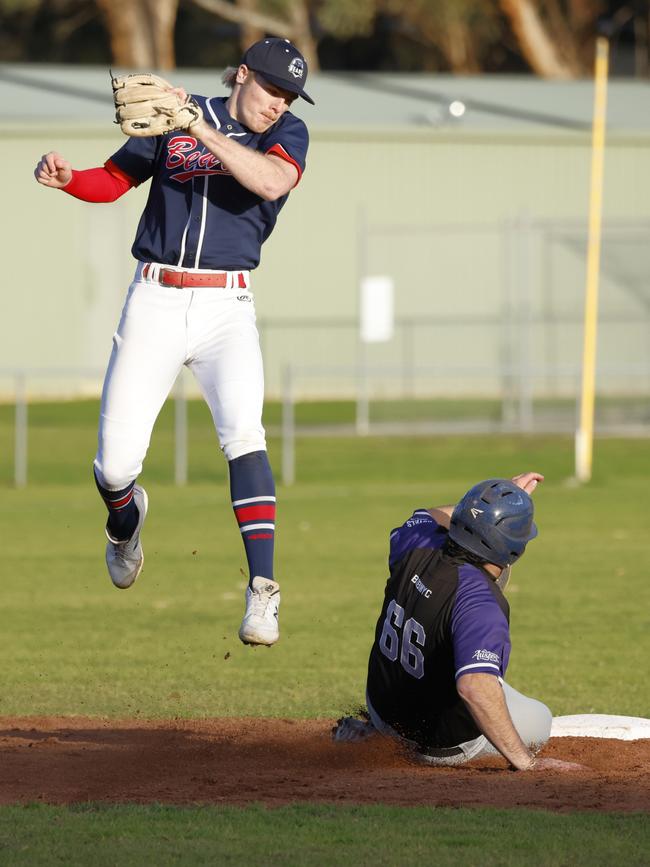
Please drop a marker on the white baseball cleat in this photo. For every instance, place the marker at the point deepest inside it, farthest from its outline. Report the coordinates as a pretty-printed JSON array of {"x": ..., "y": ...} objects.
[
  {"x": 260, "y": 623},
  {"x": 125, "y": 559}
]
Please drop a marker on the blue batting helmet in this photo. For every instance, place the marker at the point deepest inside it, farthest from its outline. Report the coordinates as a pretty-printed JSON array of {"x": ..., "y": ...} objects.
[{"x": 494, "y": 520}]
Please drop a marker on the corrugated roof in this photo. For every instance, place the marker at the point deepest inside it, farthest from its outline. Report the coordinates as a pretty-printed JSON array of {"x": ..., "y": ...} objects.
[{"x": 43, "y": 93}]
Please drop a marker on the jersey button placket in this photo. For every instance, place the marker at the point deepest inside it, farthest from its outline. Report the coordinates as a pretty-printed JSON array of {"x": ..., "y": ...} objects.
[{"x": 194, "y": 226}]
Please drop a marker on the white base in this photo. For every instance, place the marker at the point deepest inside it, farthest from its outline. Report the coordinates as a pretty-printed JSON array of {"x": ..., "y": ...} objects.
[{"x": 600, "y": 725}]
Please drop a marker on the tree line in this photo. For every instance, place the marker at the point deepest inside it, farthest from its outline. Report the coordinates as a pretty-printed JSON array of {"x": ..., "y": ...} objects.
[{"x": 550, "y": 38}]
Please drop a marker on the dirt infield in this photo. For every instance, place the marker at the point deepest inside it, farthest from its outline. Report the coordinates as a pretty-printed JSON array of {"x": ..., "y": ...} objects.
[{"x": 241, "y": 761}]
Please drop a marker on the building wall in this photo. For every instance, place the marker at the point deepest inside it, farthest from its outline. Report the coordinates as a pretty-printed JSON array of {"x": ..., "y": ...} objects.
[{"x": 467, "y": 223}]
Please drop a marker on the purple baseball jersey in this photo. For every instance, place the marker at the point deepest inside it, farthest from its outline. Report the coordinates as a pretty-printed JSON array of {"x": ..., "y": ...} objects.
[{"x": 441, "y": 618}]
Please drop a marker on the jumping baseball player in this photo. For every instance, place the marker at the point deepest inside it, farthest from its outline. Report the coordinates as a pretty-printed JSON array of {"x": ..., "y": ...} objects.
[
  {"x": 442, "y": 643},
  {"x": 221, "y": 169}
]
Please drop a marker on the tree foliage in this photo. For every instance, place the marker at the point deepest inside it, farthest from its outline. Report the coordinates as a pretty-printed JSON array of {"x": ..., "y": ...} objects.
[
  {"x": 552, "y": 38},
  {"x": 556, "y": 39},
  {"x": 141, "y": 32},
  {"x": 458, "y": 33}
]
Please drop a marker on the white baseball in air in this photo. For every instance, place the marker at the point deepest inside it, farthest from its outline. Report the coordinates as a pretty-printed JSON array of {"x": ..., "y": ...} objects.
[{"x": 457, "y": 108}]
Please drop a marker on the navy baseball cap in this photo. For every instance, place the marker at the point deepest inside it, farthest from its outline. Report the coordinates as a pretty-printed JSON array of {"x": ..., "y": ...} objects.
[{"x": 279, "y": 62}]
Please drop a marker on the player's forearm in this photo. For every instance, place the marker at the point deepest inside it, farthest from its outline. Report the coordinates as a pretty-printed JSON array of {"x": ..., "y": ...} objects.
[
  {"x": 483, "y": 695},
  {"x": 255, "y": 171},
  {"x": 97, "y": 185}
]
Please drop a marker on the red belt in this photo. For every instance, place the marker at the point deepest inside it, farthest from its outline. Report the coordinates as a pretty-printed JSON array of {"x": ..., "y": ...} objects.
[{"x": 181, "y": 279}]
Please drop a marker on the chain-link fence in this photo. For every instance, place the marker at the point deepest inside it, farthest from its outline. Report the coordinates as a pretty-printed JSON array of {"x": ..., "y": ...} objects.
[{"x": 488, "y": 338}]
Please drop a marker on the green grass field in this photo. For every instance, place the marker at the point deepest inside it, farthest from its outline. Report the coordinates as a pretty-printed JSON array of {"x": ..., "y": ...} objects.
[
  {"x": 317, "y": 836},
  {"x": 71, "y": 644}
]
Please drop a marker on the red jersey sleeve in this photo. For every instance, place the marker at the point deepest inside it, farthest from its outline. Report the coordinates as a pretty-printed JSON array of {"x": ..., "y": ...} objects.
[
  {"x": 279, "y": 151},
  {"x": 289, "y": 140}
]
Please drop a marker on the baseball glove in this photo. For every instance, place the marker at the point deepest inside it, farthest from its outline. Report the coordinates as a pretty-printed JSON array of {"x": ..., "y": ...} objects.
[{"x": 146, "y": 104}]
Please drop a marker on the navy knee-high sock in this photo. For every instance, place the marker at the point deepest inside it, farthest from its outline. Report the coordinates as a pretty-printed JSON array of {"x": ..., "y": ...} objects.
[
  {"x": 122, "y": 511},
  {"x": 252, "y": 491}
]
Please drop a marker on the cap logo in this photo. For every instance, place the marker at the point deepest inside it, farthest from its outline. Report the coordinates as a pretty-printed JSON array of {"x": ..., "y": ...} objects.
[
  {"x": 297, "y": 67},
  {"x": 476, "y": 512}
]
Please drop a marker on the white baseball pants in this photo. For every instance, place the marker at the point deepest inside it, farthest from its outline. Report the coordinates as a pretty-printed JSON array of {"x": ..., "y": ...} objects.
[{"x": 210, "y": 330}]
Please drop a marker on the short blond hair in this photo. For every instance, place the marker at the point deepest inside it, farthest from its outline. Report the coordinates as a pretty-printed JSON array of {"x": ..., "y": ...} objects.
[{"x": 229, "y": 76}]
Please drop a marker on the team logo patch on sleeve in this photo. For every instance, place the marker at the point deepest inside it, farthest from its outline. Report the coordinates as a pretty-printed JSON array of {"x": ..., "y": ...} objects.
[{"x": 486, "y": 656}]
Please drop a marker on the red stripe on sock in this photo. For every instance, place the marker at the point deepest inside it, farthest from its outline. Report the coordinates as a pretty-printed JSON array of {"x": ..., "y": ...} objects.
[
  {"x": 255, "y": 513},
  {"x": 260, "y": 536},
  {"x": 119, "y": 504}
]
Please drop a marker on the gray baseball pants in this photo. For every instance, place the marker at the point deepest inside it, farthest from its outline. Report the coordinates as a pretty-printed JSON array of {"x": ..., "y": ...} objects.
[{"x": 531, "y": 718}]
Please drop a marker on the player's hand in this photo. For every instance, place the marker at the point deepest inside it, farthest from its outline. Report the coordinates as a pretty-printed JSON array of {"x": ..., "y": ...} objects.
[
  {"x": 556, "y": 765},
  {"x": 53, "y": 171},
  {"x": 528, "y": 481},
  {"x": 193, "y": 129}
]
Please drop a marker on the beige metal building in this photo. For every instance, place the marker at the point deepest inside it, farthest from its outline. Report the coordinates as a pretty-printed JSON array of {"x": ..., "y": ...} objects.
[{"x": 470, "y": 194}]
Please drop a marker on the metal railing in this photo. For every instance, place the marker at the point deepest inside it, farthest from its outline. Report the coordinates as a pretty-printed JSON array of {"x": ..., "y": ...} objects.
[{"x": 509, "y": 400}]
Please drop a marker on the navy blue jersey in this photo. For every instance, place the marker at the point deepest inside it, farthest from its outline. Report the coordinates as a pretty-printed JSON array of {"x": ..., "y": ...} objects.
[
  {"x": 441, "y": 618},
  {"x": 197, "y": 215}
]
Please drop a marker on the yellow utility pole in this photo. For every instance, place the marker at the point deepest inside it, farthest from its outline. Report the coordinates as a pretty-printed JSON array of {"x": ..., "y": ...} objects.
[{"x": 585, "y": 434}]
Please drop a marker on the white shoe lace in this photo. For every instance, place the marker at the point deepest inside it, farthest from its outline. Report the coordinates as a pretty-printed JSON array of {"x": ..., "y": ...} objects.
[
  {"x": 126, "y": 553},
  {"x": 122, "y": 557},
  {"x": 260, "y": 601}
]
